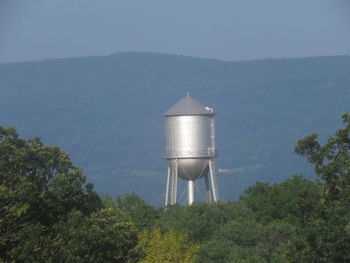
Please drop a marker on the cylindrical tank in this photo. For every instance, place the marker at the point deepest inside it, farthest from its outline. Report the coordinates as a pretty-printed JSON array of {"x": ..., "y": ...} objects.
[
  {"x": 189, "y": 128},
  {"x": 188, "y": 136}
]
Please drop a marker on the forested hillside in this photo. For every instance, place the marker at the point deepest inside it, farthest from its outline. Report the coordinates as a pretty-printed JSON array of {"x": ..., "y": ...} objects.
[
  {"x": 48, "y": 213},
  {"x": 106, "y": 112}
]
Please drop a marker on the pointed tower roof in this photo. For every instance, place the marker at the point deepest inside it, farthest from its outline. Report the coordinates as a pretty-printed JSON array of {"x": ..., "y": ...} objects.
[{"x": 189, "y": 106}]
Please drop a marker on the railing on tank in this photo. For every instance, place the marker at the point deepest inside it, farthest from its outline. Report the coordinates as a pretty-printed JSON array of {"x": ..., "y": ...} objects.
[{"x": 211, "y": 153}]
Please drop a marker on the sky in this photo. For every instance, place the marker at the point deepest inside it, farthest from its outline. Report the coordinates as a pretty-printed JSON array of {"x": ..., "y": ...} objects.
[{"x": 223, "y": 29}]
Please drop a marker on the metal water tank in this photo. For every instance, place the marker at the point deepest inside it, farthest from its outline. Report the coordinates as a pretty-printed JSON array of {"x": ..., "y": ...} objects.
[{"x": 190, "y": 144}]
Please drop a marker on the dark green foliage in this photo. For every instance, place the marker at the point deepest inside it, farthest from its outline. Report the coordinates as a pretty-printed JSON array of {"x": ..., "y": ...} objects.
[
  {"x": 200, "y": 220},
  {"x": 143, "y": 215},
  {"x": 322, "y": 239},
  {"x": 246, "y": 241},
  {"x": 41, "y": 178},
  {"x": 46, "y": 213},
  {"x": 108, "y": 235},
  {"x": 229, "y": 232},
  {"x": 281, "y": 201},
  {"x": 325, "y": 236},
  {"x": 332, "y": 161}
]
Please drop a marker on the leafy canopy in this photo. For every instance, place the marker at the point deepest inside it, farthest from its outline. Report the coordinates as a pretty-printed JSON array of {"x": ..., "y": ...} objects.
[{"x": 170, "y": 246}]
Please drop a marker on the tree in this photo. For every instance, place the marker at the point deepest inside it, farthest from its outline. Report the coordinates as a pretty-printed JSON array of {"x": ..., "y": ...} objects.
[
  {"x": 200, "y": 220},
  {"x": 246, "y": 241},
  {"x": 143, "y": 215},
  {"x": 281, "y": 201},
  {"x": 325, "y": 235},
  {"x": 108, "y": 235},
  {"x": 171, "y": 246},
  {"x": 39, "y": 186},
  {"x": 331, "y": 160}
]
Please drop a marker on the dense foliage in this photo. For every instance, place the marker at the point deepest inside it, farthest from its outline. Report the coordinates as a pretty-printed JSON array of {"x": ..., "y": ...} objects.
[
  {"x": 47, "y": 215},
  {"x": 170, "y": 246}
]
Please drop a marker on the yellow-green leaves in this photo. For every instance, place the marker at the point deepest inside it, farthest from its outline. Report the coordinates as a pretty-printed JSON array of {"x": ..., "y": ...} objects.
[{"x": 171, "y": 246}]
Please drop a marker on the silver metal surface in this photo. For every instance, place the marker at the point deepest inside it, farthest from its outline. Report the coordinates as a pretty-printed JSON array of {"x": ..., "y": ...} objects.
[
  {"x": 188, "y": 106},
  {"x": 189, "y": 136},
  {"x": 167, "y": 191},
  {"x": 190, "y": 168},
  {"x": 174, "y": 175},
  {"x": 190, "y": 148},
  {"x": 212, "y": 175},
  {"x": 190, "y": 192},
  {"x": 171, "y": 185}
]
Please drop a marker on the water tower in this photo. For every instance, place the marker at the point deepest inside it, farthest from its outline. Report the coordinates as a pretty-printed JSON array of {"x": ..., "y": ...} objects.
[{"x": 190, "y": 149}]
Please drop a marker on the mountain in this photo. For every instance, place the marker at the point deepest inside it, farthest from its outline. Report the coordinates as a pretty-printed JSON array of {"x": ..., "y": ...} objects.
[{"x": 106, "y": 112}]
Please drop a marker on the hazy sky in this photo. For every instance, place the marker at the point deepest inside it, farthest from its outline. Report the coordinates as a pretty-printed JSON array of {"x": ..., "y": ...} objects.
[{"x": 224, "y": 29}]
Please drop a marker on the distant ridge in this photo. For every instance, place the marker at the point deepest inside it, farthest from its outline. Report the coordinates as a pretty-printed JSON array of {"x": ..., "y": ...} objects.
[
  {"x": 106, "y": 112},
  {"x": 177, "y": 56}
]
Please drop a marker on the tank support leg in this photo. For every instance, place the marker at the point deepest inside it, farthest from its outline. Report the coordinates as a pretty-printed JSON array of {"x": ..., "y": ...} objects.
[
  {"x": 212, "y": 194},
  {"x": 167, "y": 188},
  {"x": 174, "y": 182},
  {"x": 171, "y": 187},
  {"x": 190, "y": 192},
  {"x": 207, "y": 189},
  {"x": 212, "y": 175}
]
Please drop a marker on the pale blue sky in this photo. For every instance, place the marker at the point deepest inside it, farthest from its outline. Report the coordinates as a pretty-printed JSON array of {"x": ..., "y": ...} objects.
[{"x": 224, "y": 29}]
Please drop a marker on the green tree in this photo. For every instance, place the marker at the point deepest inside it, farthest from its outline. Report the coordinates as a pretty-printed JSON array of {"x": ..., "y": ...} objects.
[
  {"x": 143, "y": 215},
  {"x": 281, "y": 201},
  {"x": 324, "y": 236},
  {"x": 331, "y": 160},
  {"x": 171, "y": 246},
  {"x": 200, "y": 220},
  {"x": 246, "y": 241},
  {"x": 39, "y": 186},
  {"x": 108, "y": 235}
]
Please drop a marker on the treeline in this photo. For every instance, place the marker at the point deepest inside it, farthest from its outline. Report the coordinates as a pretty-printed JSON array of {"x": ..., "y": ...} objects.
[{"x": 49, "y": 214}]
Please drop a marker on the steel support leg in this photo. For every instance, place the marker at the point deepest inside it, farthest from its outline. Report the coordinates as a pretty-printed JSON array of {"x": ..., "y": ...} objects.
[
  {"x": 190, "y": 192},
  {"x": 207, "y": 189},
  {"x": 212, "y": 175},
  {"x": 167, "y": 192},
  {"x": 173, "y": 180}
]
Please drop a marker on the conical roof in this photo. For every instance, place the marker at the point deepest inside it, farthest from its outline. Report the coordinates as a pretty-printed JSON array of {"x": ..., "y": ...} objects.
[{"x": 189, "y": 106}]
